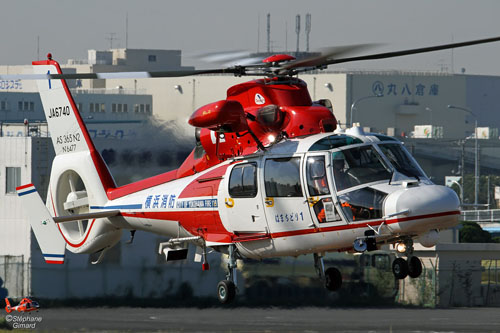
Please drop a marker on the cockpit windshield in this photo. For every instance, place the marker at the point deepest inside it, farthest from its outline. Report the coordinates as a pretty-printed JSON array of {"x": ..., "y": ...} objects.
[
  {"x": 401, "y": 160},
  {"x": 357, "y": 166}
]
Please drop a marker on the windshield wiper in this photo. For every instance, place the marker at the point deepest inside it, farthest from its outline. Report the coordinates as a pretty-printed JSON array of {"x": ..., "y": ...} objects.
[{"x": 410, "y": 173}]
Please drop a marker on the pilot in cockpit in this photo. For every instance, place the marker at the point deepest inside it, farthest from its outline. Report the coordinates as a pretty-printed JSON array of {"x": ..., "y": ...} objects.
[{"x": 341, "y": 177}]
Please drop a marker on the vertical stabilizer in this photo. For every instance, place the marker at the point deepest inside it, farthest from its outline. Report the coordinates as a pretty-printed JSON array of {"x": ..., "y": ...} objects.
[{"x": 67, "y": 129}]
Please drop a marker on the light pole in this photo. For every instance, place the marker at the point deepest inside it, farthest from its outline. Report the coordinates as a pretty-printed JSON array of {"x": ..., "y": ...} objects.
[
  {"x": 461, "y": 191},
  {"x": 353, "y": 105},
  {"x": 476, "y": 159}
]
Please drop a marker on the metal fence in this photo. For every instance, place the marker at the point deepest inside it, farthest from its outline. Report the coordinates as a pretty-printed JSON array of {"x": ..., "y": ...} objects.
[{"x": 485, "y": 215}]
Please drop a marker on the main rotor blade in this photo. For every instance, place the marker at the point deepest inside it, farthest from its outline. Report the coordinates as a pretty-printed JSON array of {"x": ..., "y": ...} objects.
[
  {"x": 121, "y": 75},
  {"x": 412, "y": 51},
  {"x": 328, "y": 54}
]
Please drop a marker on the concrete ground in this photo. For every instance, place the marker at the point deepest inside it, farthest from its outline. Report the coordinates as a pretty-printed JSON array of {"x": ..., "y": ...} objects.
[{"x": 266, "y": 320}]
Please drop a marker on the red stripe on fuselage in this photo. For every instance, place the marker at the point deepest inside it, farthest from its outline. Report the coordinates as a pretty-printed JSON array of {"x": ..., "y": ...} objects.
[
  {"x": 199, "y": 223},
  {"x": 122, "y": 191},
  {"x": 205, "y": 185},
  {"x": 215, "y": 232}
]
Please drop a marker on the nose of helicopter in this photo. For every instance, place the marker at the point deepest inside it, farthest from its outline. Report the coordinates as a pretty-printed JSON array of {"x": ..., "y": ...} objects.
[{"x": 423, "y": 207}]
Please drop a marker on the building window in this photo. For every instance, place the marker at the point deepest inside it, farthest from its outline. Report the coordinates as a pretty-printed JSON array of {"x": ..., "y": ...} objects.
[
  {"x": 4, "y": 105},
  {"x": 13, "y": 179},
  {"x": 125, "y": 107},
  {"x": 80, "y": 107},
  {"x": 91, "y": 107},
  {"x": 282, "y": 177},
  {"x": 148, "y": 108},
  {"x": 26, "y": 106},
  {"x": 119, "y": 107},
  {"x": 136, "y": 108},
  {"x": 152, "y": 58},
  {"x": 113, "y": 107},
  {"x": 20, "y": 106},
  {"x": 32, "y": 106},
  {"x": 243, "y": 181},
  {"x": 103, "y": 107}
]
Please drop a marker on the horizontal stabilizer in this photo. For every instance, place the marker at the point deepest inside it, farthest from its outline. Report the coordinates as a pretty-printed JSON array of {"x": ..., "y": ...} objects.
[
  {"x": 88, "y": 216},
  {"x": 46, "y": 231}
]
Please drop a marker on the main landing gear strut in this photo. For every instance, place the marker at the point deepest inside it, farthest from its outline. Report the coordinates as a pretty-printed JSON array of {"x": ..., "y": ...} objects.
[
  {"x": 226, "y": 289},
  {"x": 402, "y": 268},
  {"x": 331, "y": 277}
]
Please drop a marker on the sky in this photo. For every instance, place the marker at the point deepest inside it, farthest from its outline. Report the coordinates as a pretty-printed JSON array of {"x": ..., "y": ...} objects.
[{"x": 68, "y": 28}]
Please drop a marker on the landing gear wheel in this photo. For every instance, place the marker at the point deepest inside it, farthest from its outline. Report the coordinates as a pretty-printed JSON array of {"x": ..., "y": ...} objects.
[
  {"x": 414, "y": 267},
  {"x": 400, "y": 268},
  {"x": 226, "y": 291},
  {"x": 333, "y": 279}
]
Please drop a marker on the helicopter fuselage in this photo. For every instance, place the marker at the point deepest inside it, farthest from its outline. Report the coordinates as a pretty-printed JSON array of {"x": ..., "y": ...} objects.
[{"x": 292, "y": 199}]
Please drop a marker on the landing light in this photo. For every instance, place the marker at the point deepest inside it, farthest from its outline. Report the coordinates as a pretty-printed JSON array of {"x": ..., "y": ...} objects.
[
  {"x": 271, "y": 138},
  {"x": 401, "y": 247}
]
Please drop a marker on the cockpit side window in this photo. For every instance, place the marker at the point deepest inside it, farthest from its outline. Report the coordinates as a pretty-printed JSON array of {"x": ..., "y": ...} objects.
[
  {"x": 357, "y": 166},
  {"x": 282, "y": 177},
  {"x": 243, "y": 181}
]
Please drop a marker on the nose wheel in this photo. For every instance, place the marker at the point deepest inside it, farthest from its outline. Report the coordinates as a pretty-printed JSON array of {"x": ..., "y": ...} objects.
[{"x": 402, "y": 268}]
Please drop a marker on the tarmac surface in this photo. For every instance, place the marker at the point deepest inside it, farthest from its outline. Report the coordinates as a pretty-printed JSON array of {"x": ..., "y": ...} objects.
[{"x": 307, "y": 319}]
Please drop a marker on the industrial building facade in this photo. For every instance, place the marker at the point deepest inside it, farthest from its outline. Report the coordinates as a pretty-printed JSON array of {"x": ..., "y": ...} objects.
[{"x": 393, "y": 103}]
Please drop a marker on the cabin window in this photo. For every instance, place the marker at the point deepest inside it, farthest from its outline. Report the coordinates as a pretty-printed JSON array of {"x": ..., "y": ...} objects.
[
  {"x": 243, "y": 181},
  {"x": 316, "y": 176},
  {"x": 282, "y": 177}
]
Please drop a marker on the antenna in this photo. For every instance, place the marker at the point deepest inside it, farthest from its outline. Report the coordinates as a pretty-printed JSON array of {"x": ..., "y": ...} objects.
[
  {"x": 268, "y": 32},
  {"x": 297, "y": 30},
  {"x": 111, "y": 37},
  {"x": 286, "y": 36},
  {"x": 308, "y": 30},
  {"x": 126, "y": 31},
  {"x": 258, "y": 32}
]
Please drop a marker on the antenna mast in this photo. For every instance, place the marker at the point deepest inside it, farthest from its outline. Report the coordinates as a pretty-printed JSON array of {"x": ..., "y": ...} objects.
[
  {"x": 268, "y": 32},
  {"x": 297, "y": 30},
  {"x": 308, "y": 30}
]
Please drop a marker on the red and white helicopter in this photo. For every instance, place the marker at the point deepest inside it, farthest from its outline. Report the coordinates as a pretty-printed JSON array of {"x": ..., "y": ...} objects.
[
  {"x": 271, "y": 175},
  {"x": 26, "y": 305}
]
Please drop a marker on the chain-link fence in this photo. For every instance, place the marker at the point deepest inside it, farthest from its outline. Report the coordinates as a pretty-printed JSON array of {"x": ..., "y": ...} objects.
[{"x": 456, "y": 283}]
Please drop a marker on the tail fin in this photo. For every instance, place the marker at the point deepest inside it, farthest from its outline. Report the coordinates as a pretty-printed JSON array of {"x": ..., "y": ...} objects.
[
  {"x": 7, "y": 306},
  {"x": 45, "y": 229},
  {"x": 68, "y": 131}
]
